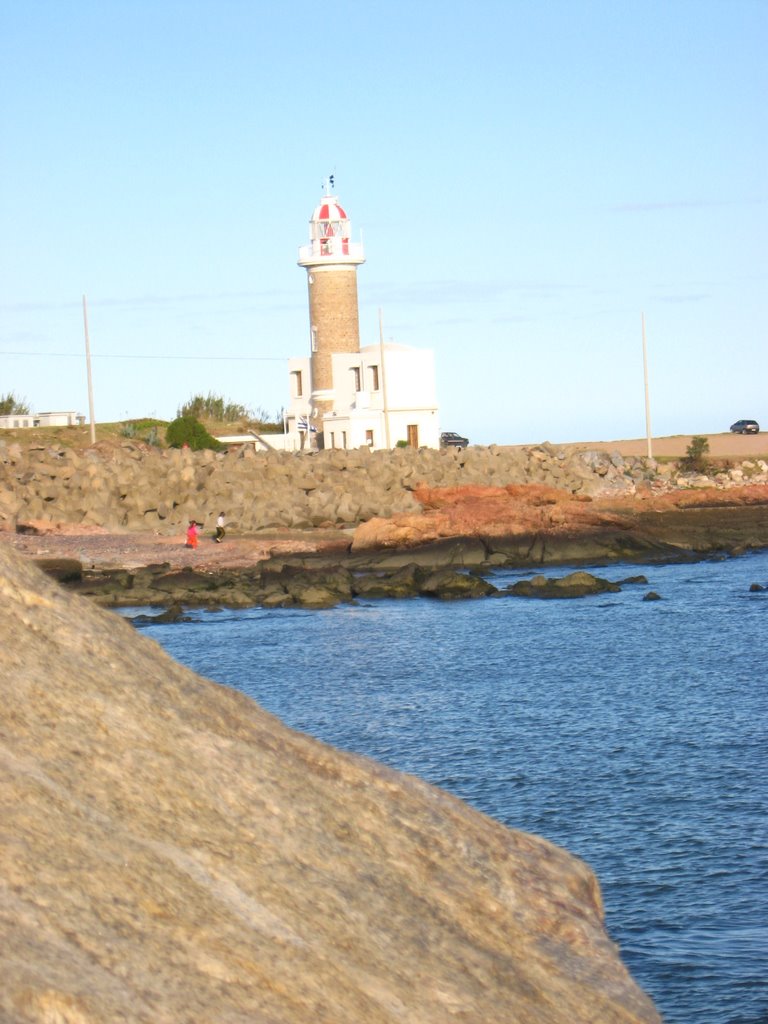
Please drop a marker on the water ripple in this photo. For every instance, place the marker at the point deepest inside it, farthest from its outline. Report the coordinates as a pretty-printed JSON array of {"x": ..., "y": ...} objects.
[{"x": 632, "y": 733}]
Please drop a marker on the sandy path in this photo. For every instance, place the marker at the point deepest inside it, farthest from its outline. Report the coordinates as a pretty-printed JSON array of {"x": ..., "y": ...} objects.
[
  {"x": 722, "y": 446},
  {"x": 100, "y": 549}
]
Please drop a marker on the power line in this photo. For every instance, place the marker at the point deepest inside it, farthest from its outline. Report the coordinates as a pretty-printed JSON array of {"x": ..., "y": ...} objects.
[{"x": 112, "y": 355}]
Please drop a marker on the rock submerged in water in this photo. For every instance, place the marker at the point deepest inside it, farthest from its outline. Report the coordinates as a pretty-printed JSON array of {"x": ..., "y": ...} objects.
[
  {"x": 447, "y": 584},
  {"x": 286, "y": 583},
  {"x": 174, "y": 613},
  {"x": 171, "y": 852},
  {"x": 575, "y": 584}
]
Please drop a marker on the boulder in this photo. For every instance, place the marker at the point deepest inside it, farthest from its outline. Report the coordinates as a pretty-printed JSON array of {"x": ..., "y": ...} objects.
[
  {"x": 171, "y": 852},
  {"x": 447, "y": 584},
  {"x": 312, "y": 588},
  {"x": 402, "y": 582},
  {"x": 175, "y": 613},
  {"x": 575, "y": 584},
  {"x": 65, "y": 570},
  {"x": 315, "y": 595},
  {"x": 185, "y": 581}
]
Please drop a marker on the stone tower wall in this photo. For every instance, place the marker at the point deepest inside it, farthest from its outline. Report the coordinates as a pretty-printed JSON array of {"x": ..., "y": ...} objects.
[{"x": 333, "y": 321}]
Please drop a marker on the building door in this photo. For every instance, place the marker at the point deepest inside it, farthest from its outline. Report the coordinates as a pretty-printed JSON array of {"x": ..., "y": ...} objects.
[{"x": 413, "y": 435}]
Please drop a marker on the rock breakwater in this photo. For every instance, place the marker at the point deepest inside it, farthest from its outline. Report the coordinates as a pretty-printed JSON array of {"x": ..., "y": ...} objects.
[
  {"x": 133, "y": 486},
  {"x": 358, "y": 511}
]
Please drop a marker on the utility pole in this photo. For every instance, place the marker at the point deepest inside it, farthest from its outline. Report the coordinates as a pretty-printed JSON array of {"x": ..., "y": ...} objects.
[
  {"x": 387, "y": 440},
  {"x": 88, "y": 367},
  {"x": 647, "y": 399}
]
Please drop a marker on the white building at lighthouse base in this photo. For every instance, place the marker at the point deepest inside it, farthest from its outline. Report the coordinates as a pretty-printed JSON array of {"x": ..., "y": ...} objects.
[{"x": 382, "y": 395}]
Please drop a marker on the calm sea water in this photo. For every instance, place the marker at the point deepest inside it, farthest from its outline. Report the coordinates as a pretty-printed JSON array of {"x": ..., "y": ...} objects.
[{"x": 632, "y": 733}]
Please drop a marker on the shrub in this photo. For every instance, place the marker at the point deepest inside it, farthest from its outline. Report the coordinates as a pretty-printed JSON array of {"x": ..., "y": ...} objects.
[
  {"x": 213, "y": 407},
  {"x": 142, "y": 430},
  {"x": 10, "y": 404},
  {"x": 264, "y": 422},
  {"x": 186, "y": 430},
  {"x": 216, "y": 409},
  {"x": 695, "y": 459}
]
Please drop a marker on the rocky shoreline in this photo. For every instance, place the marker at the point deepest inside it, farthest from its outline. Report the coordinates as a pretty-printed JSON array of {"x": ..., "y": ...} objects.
[
  {"x": 313, "y": 530},
  {"x": 445, "y": 551},
  {"x": 132, "y": 486}
]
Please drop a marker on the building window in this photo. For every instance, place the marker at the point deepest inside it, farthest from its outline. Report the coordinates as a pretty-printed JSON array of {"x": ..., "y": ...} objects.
[
  {"x": 333, "y": 439},
  {"x": 356, "y": 377},
  {"x": 343, "y": 439},
  {"x": 369, "y": 438},
  {"x": 374, "y": 378},
  {"x": 298, "y": 389},
  {"x": 314, "y": 339}
]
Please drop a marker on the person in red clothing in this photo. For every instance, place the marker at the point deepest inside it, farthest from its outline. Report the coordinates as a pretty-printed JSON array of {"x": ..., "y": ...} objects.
[{"x": 192, "y": 534}]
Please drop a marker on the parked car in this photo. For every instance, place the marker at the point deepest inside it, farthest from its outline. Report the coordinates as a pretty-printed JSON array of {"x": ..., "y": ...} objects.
[
  {"x": 451, "y": 440},
  {"x": 745, "y": 427}
]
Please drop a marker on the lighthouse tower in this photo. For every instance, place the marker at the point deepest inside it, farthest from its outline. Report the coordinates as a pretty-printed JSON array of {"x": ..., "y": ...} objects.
[{"x": 331, "y": 260}]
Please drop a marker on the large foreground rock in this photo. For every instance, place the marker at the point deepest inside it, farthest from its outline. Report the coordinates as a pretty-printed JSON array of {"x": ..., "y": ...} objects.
[{"x": 171, "y": 853}]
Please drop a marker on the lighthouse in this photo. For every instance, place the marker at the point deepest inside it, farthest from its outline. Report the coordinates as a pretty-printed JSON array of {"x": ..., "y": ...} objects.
[
  {"x": 343, "y": 394},
  {"x": 331, "y": 260}
]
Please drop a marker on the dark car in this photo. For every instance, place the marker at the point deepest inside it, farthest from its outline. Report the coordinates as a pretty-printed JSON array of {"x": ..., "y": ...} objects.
[
  {"x": 451, "y": 440},
  {"x": 745, "y": 427}
]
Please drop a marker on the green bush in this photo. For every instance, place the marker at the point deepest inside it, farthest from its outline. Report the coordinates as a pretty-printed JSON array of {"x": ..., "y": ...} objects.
[
  {"x": 213, "y": 407},
  {"x": 186, "y": 430},
  {"x": 11, "y": 405},
  {"x": 142, "y": 430},
  {"x": 695, "y": 459}
]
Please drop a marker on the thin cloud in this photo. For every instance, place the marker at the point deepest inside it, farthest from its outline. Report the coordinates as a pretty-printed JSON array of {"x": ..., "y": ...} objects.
[
  {"x": 683, "y": 204},
  {"x": 445, "y": 292},
  {"x": 683, "y": 299},
  {"x": 149, "y": 301}
]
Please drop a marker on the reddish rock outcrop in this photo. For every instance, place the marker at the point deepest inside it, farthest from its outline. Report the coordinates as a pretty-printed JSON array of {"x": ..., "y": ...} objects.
[{"x": 551, "y": 524}]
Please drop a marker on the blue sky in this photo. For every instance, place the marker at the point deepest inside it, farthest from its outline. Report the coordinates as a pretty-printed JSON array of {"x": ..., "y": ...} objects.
[{"x": 529, "y": 178}]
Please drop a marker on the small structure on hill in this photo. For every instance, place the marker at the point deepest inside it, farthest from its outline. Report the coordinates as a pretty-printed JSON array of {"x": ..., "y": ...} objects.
[{"x": 21, "y": 421}]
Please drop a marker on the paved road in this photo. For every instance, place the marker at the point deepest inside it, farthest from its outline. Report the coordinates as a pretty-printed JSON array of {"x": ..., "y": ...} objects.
[{"x": 726, "y": 446}]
